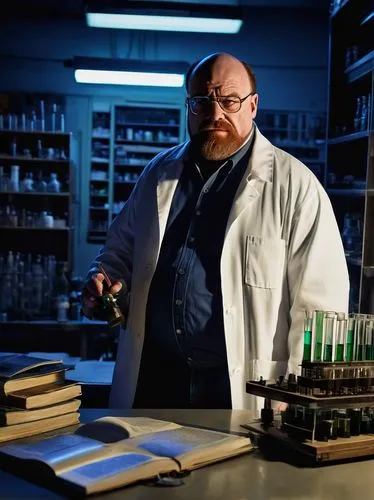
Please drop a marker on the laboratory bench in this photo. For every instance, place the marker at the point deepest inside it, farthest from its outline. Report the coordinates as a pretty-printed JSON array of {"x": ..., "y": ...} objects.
[{"x": 272, "y": 474}]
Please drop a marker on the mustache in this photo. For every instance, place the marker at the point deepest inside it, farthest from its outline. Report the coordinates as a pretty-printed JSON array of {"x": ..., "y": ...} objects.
[{"x": 214, "y": 124}]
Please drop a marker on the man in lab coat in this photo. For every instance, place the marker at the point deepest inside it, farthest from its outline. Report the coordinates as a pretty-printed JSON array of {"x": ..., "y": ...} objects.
[{"x": 223, "y": 245}]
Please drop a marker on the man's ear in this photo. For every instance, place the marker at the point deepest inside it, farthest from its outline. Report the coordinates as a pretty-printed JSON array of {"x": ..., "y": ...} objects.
[{"x": 254, "y": 105}]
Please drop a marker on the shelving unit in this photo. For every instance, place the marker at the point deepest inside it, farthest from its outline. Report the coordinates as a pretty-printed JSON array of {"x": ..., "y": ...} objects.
[
  {"x": 350, "y": 141},
  {"x": 32, "y": 215},
  {"x": 123, "y": 140},
  {"x": 301, "y": 133}
]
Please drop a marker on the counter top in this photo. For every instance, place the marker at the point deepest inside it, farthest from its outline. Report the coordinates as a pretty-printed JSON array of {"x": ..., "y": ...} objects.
[{"x": 251, "y": 476}]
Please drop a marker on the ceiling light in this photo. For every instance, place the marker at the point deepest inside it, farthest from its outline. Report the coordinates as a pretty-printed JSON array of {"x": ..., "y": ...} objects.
[
  {"x": 165, "y": 16},
  {"x": 128, "y": 72}
]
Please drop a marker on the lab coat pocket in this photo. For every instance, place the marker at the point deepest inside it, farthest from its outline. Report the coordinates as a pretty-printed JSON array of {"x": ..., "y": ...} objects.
[
  {"x": 266, "y": 369},
  {"x": 264, "y": 262}
]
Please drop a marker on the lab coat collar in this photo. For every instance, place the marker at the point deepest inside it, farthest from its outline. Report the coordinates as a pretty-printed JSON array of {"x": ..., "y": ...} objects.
[{"x": 260, "y": 164}]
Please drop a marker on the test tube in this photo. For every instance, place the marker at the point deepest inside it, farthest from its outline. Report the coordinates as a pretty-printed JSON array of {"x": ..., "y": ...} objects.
[
  {"x": 359, "y": 337},
  {"x": 369, "y": 347},
  {"x": 317, "y": 335},
  {"x": 329, "y": 335},
  {"x": 307, "y": 354},
  {"x": 341, "y": 328},
  {"x": 349, "y": 343}
]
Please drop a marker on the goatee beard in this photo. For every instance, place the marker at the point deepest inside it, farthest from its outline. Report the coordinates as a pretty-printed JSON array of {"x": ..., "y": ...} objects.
[{"x": 208, "y": 145}]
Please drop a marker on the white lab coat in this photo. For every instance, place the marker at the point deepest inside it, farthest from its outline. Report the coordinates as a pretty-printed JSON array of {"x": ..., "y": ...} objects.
[{"x": 282, "y": 254}]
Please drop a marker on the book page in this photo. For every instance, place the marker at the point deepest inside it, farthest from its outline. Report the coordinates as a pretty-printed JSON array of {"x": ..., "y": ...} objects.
[
  {"x": 192, "y": 446},
  {"x": 53, "y": 450},
  {"x": 117, "y": 466},
  {"x": 86, "y": 463},
  {"x": 113, "y": 429}
]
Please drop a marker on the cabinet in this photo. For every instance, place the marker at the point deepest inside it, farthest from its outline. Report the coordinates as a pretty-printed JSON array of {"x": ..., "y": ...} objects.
[
  {"x": 300, "y": 133},
  {"x": 123, "y": 140},
  {"x": 36, "y": 218},
  {"x": 350, "y": 141}
]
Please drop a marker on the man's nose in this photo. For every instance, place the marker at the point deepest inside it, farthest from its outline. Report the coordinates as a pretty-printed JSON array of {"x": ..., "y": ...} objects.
[{"x": 215, "y": 110}]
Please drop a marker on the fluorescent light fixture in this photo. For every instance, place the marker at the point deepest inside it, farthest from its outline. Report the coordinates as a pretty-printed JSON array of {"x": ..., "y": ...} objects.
[
  {"x": 367, "y": 18},
  {"x": 128, "y": 78},
  {"x": 128, "y": 72},
  {"x": 165, "y": 16}
]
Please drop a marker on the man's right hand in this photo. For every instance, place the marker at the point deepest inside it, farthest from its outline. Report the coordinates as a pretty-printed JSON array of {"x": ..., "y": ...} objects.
[{"x": 92, "y": 293}]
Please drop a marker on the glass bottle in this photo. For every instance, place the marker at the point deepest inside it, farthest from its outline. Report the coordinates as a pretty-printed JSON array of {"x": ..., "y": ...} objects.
[
  {"x": 364, "y": 113},
  {"x": 14, "y": 178},
  {"x": 357, "y": 118},
  {"x": 28, "y": 183},
  {"x": 54, "y": 184}
]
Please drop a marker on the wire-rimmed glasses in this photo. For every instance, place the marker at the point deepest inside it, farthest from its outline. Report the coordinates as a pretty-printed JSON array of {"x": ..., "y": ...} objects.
[{"x": 199, "y": 104}]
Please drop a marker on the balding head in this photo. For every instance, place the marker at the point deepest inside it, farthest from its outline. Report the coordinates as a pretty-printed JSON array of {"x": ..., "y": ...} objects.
[
  {"x": 208, "y": 61},
  {"x": 217, "y": 128}
]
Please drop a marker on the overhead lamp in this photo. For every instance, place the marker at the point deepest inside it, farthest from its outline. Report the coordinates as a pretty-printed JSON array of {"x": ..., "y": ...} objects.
[
  {"x": 164, "y": 16},
  {"x": 128, "y": 71}
]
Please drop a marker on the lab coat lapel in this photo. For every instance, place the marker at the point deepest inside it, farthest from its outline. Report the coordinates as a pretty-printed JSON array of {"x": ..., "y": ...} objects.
[
  {"x": 167, "y": 180},
  {"x": 260, "y": 171}
]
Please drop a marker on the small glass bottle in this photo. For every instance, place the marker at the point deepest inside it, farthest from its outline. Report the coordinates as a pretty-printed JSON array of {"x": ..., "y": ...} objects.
[
  {"x": 41, "y": 185},
  {"x": 14, "y": 178},
  {"x": 364, "y": 113},
  {"x": 54, "y": 184},
  {"x": 28, "y": 183},
  {"x": 357, "y": 118},
  {"x": 13, "y": 147}
]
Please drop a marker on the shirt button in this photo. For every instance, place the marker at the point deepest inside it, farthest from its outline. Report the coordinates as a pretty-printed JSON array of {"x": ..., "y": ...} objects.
[
  {"x": 178, "y": 331},
  {"x": 191, "y": 239},
  {"x": 181, "y": 271},
  {"x": 205, "y": 190},
  {"x": 178, "y": 302}
]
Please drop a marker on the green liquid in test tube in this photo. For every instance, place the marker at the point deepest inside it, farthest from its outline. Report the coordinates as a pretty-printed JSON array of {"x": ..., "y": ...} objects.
[
  {"x": 349, "y": 341},
  {"x": 369, "y": 337},
  {"x": 339, "y": 355},
  {"x": 359, "y": 355},
  {"x": 330, "y": 332},
  {"x": 318, "y": 334},
  {"x": 307, "y": 355},
  {"x": 341, "y": 328}
]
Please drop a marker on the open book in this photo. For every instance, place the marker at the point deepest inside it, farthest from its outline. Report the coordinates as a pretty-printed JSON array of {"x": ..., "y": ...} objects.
[{"x": 116, "y": 451}]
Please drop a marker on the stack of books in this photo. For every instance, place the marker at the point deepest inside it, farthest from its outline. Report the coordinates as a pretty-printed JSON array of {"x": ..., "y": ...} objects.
[{"x": 35, "y": 397}]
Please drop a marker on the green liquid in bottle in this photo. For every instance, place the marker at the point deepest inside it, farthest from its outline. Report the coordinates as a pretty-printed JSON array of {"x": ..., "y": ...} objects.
[
  {"x": 339, "y": 356},
  {"x": 328, "y": 352},
  {"x": 350, "y": 345},
  {"x": 307, "y": 346}
]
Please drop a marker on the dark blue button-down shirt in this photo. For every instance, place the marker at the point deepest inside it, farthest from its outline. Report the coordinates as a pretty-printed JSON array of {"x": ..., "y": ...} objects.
[{"x": 184, "y": 309}]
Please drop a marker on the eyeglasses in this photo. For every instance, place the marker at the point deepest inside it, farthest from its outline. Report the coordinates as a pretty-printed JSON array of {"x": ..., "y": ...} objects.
[{"x": 230, "y": 104}]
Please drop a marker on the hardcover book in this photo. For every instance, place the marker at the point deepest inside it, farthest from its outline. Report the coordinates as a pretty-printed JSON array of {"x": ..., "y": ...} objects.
[
  {"x": 20, "y": 371},
  {"x": 112, "y": 452},
  {"x": 12, "y": 416},
  {"x": 43, "y": 395},
  {"x": 26, "y": 429}
]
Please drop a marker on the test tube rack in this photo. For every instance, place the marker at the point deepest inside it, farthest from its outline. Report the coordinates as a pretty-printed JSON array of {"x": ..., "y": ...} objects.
[{"x": 329, "y": 414}]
